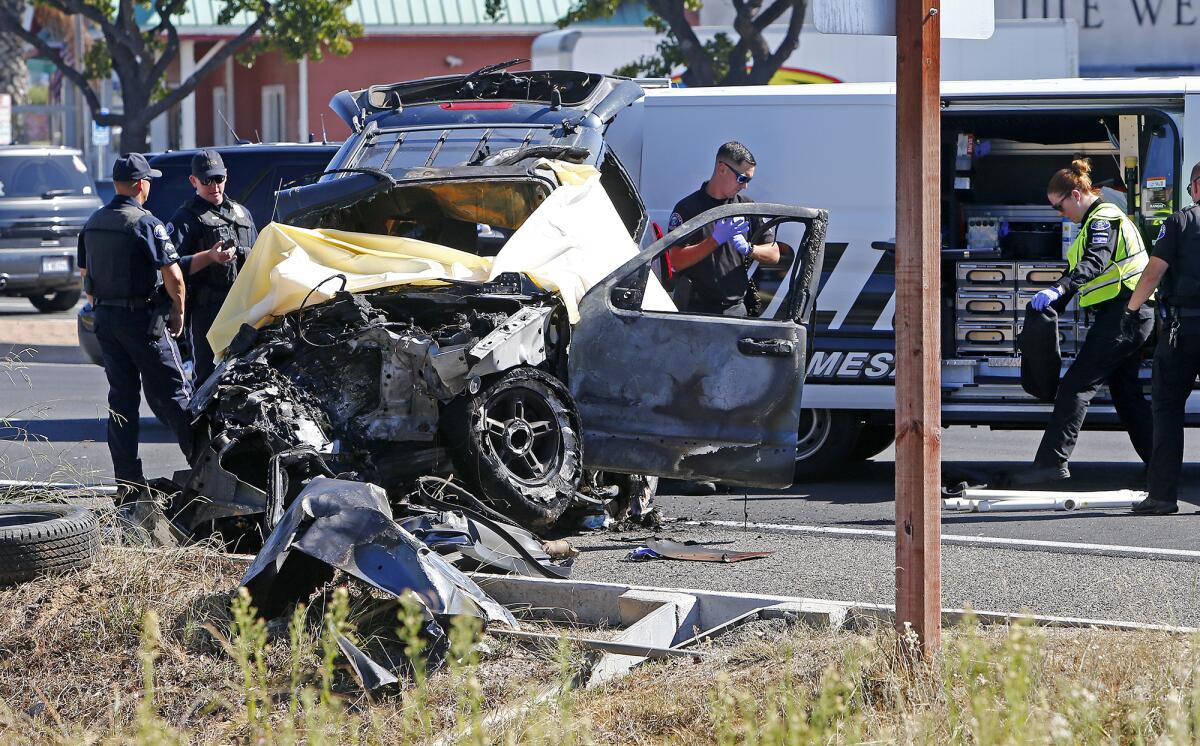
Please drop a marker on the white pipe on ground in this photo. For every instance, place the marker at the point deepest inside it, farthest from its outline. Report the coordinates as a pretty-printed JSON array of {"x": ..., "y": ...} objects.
[{"x": 1031, "y": 500}]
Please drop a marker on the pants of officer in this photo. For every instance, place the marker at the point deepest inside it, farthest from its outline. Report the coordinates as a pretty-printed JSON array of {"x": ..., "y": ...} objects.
[
  {"x": 1103, "y": 358},
  {"x": 135, "y": 359},
  {"x": 202, "y": 316},
  {"x": 1175, "y": 370}
]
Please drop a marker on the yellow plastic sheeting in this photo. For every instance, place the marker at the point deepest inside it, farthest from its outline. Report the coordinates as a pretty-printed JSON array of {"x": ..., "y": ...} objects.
[
  {"x": 571, "y": 241},
  {"x": 287, "y": 262}
]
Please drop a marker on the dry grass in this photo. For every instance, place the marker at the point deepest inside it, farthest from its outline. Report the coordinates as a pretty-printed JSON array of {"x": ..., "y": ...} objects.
[{"x": 77, "y": 666}]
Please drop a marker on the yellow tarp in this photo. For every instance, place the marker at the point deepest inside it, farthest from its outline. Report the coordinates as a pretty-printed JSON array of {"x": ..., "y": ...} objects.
[{"x": 572, "y": 241}]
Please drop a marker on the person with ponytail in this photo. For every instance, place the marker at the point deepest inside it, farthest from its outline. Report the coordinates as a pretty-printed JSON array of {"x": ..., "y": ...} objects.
[{"x": 1103, "y": 266}]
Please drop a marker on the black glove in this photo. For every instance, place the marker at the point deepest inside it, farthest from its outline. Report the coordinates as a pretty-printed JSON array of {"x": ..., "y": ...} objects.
[{"x": 1131, "y": 322}]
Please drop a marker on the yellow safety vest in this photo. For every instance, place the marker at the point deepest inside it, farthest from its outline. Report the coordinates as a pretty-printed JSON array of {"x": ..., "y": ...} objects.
[{"x": 1128, "y": 260}]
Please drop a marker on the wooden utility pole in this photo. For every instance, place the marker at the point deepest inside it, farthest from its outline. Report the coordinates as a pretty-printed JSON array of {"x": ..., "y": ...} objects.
[{"x": 918, "y": 322}]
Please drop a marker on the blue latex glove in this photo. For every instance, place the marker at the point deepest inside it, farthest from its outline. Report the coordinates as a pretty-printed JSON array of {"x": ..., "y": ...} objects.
[
  {"x": 740, "y": 244},
  {"x": 1045, "y": 298},
  {"x": 726, "y": 228}
]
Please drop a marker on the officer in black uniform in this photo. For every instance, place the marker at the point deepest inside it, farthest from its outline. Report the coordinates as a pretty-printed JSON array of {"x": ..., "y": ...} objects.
[
  {"x": 132, "y": 278},
  {"x": 214, "y": 236},
  {"x": 715, "y": 259},
  {"x": 1174, "y": 269}
]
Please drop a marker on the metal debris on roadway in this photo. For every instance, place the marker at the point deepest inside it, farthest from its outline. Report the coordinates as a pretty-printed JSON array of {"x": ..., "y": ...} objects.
[{"x": 689, "y": 552}]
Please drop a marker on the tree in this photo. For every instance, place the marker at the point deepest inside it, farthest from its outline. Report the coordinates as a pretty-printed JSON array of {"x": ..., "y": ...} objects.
[
  {"x": 14, "y": 77},
  {"x": 720, "y": 61},
  {"x": 141, "y": 55}
]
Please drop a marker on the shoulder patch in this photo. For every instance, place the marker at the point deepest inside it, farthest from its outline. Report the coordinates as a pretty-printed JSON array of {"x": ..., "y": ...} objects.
[
  {"x": 1162, "y": 231},
  {"x": 675, "y": 221},
  {"x": 239, "y": 210},
  {"x": 1100, "y": 237},
  {"x": 1101, "y": 224},
  {"x": 160, "y": 232}
]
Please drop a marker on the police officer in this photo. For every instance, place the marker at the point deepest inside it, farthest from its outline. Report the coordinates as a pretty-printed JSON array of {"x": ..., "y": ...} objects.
[
  {"x": 1104, "y": 264},
  {"x": 716, "y": 258},
  {"x": 214, "y": 236},
  {"x": 132, "y": 278},
  {"x": 1174, "y": 268}
]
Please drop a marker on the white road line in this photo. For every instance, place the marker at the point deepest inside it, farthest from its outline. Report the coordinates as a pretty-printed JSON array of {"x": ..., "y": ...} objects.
[{"x": 1029, "y": 545}]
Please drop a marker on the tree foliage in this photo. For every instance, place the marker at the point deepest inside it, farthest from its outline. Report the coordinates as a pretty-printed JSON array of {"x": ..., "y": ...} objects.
[
  {"x": 141, "y": 39},
  {"x": 745, "y": 58}
]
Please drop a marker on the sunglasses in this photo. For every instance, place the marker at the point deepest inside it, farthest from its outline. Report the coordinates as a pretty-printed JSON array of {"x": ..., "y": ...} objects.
[
  {"x": 741, "y": 177},
  {"x": 1058, "y": 205},
  {"x": 213, "y": 180}
]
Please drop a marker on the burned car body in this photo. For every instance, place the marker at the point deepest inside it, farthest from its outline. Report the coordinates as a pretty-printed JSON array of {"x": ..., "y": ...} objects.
[{"x": 513, "y": 378}]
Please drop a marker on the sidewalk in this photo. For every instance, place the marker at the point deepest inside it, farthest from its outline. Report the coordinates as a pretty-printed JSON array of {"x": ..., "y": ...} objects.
[{"x": 41, "y": 340}]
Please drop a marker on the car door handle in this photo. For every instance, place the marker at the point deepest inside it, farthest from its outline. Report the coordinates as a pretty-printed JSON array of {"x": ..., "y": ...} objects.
[{"x": 766, "y": 347}]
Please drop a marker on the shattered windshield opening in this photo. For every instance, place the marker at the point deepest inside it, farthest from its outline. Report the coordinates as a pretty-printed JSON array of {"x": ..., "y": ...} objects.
[{"x": 473, "y": 216}]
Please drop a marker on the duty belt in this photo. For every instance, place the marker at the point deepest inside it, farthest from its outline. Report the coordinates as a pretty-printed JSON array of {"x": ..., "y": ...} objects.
[{"x": 132, "y": 304}]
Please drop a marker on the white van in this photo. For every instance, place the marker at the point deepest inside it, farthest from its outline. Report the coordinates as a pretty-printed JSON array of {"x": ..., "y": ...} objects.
[{"x": 834, "y": 146}]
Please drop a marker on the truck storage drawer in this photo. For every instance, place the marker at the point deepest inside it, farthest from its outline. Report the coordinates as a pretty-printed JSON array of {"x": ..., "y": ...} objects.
[
  {"x": 985, "y": 304},
  {"x": 1037, "y": 275},
  {"x": 1071, "y": 313},
  {"x": 986, "y": 273},
  {"x": 985, "y": 337}
]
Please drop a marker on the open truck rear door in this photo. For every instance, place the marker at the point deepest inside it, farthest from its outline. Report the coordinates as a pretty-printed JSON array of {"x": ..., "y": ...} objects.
[{"x": 696, "y": 396}]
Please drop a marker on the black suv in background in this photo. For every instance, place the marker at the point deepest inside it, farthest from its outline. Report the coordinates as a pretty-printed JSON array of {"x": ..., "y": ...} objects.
[
  {"x": 46, "y": 195},
  {"x": 255, "y": 173}
]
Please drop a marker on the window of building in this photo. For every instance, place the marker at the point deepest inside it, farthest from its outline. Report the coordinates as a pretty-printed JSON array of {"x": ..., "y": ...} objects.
[
  {"x": 220, "y": 113},
  {"x": 274, "y": 112}
]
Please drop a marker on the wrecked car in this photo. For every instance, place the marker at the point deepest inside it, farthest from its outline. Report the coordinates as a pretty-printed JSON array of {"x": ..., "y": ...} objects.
[{"x": 471, "y": 289}]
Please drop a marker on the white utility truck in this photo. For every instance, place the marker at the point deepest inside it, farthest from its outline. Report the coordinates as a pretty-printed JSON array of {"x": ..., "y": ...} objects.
[{"x": 834, "y": 145}]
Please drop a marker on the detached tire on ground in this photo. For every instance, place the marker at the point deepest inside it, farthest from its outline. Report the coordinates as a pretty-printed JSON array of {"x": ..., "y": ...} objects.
[
  {"x": 825, "y": 443},
  {"x": 519, "y": 444},
  {"x": 41, "y": 538},
  {"x": 56, "y": 300}
]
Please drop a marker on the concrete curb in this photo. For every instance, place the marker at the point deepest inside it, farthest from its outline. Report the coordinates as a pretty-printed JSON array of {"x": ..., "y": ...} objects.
[{"x": 600, "y": 604}]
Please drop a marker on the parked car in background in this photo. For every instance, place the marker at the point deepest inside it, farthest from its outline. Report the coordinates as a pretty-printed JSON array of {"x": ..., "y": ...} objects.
[
  {"x": 255, "y": 173},
  {"x": 46, "y": 195}
]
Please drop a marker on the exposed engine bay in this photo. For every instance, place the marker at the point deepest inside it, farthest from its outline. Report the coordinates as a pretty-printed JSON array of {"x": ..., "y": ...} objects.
[{"x": 386, "y": 387}]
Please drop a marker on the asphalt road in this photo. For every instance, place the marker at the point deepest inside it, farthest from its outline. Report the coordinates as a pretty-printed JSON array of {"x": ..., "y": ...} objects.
[
  {"x": 55, "y": 430},
  {"x": 11, "y": 308},
  {"x": 56, "y": 427}
]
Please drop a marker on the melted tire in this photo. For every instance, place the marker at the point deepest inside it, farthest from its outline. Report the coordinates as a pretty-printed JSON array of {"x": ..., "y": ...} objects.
[
  {"x": 499, "y": 456},
  {"x": 40, "y": 538}
]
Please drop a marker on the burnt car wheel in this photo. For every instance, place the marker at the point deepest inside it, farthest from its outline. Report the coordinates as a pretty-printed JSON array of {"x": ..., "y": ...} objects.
[
  {"x": 55, "y": 300},
  {"x": 522, "y": 447}
]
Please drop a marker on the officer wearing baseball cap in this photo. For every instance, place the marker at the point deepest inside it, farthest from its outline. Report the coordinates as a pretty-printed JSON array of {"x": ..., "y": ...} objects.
[
  {"x": 214, "y": 236},
  {"x": 131, "y": 276}
]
